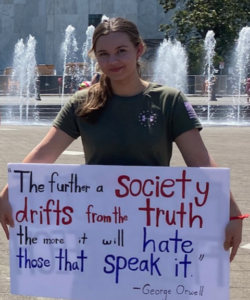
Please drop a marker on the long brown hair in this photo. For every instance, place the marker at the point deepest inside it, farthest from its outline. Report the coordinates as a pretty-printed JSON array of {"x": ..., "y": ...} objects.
[{"x": 99, "y": 94}]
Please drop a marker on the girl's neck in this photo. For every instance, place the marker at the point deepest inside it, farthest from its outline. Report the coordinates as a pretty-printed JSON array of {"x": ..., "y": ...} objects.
[{"x": 128, "y": 87}]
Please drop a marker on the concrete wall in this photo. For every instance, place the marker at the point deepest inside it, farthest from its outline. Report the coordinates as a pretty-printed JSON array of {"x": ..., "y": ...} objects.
[{"x": 48, "y": 19}]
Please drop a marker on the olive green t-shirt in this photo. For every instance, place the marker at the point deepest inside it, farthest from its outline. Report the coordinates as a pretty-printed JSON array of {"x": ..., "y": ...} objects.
[{"x": 135, "y": 131}]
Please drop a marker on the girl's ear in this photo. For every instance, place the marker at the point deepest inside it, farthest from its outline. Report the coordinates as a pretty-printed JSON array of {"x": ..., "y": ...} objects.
[{"x": 140, "y": 50}]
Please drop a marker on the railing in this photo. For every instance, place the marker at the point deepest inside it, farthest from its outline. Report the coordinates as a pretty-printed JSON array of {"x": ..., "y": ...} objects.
[{"x": 49, "y": 85}]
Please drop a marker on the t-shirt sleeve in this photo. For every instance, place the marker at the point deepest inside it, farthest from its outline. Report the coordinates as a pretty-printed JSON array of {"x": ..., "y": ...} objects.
[
  {"x": 184, "y": 117},
  {"x": 66, "y": 119}
]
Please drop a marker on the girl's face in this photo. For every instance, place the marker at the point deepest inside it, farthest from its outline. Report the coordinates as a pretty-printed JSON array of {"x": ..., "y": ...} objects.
[{"x": 117, "y": 56}]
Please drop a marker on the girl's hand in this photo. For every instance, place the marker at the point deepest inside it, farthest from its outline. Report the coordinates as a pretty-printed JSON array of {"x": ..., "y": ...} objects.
[
  {"x": 6, "y": 216},
  {"x": 233, "y": 234}
]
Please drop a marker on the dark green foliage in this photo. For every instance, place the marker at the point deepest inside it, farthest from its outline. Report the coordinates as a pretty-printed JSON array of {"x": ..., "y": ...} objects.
[{"x": 192, "y": 19}]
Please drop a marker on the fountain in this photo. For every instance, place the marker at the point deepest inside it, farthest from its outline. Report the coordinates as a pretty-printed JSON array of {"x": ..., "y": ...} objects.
[
  {"x": 31, "y": 71},
  {"x": 227, "y": 112},
  {"x": 170, "y": 68},
  {"x": 88, "y": 62},
  {"x": 18, "y": 77},
  {"x": 104, "y": 17},
  {"x": 23, "y": 78},
  {"x": 171, "y": 65},
  {"x": 242, "y": 63},
  {"x": 69, "y": 49},
  {"x": 209, "y": 45}
]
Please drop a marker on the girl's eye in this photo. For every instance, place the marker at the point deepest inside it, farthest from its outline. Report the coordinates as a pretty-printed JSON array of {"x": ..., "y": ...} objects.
[
  {"x": 102, "y": 54},
  {"x": 121, "y": 50}
]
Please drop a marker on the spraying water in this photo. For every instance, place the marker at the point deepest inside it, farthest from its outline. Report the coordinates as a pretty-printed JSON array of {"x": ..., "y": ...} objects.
[
  {"x": 24, "y": 73},
  {"x": 242, "y": 61},
  {"x": 69, "y": 49},
  {"x": 88, "y": 62},
  {"x": 209, "y": 45},
  {"x": 171, "y": 65},
  {"x": 31, "y": 70},
  {"x": 18, "y": 74},
  {"x": 104, "y": 18}
]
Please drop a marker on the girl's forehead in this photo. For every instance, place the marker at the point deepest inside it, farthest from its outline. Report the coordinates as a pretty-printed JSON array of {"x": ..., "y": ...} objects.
[{"x": 112, "y": 40}]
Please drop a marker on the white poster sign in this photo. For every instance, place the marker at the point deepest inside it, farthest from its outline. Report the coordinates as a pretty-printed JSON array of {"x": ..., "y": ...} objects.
[{"x": 109, "y": 232}]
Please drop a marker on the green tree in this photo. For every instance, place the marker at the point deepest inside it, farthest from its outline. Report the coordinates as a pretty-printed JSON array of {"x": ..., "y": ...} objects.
[{"x": 192, "y": 19}]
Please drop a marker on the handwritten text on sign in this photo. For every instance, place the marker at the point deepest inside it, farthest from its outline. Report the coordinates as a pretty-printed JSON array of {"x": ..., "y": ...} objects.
[{"x": 119, "y": 232}]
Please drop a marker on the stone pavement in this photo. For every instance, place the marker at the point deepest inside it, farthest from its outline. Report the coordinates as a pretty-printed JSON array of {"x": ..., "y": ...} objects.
[{"x": 230, "y": 146}]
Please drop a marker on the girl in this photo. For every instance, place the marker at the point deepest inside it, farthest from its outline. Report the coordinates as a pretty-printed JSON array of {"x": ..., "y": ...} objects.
[{"x": 124, "y": 120}]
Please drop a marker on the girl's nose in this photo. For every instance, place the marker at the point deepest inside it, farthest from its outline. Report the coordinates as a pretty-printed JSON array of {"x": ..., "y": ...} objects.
[{"x": 112, "y": 59}]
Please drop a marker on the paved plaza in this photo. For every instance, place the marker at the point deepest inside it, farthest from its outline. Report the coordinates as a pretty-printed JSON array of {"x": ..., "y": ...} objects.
[{"x": 230, "y": 146}]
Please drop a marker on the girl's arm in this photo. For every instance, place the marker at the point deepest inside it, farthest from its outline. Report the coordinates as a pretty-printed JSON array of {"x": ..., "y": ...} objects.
[
  {"x": 195, "y": 154},
  {"x": 47, "y": 151}
]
